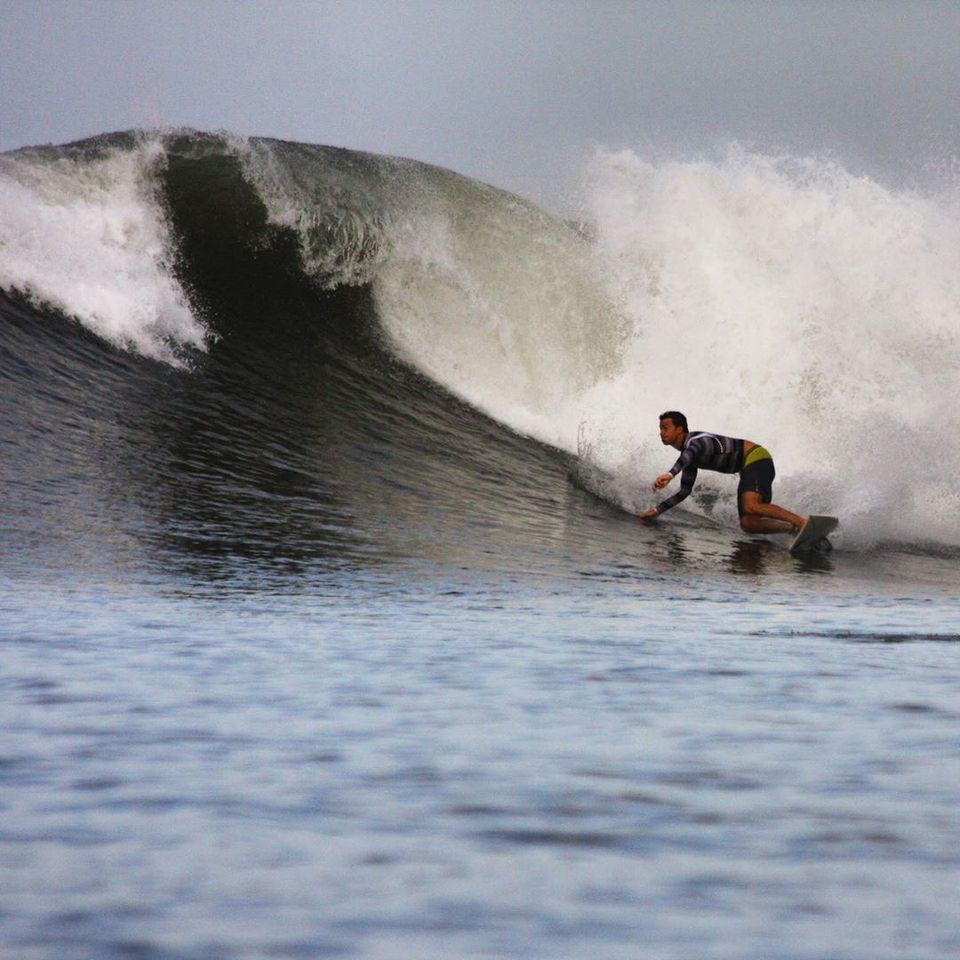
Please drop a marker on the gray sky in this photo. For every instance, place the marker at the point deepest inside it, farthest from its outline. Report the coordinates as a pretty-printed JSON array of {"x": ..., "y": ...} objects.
[{"x": 514, "y": 93}]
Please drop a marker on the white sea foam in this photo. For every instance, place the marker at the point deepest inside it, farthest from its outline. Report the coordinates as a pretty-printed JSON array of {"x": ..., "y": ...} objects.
[
  {"x": 89, "y": 238},
  {"x": 793, "y": 303},
  {"x": 785, "y": 300}
]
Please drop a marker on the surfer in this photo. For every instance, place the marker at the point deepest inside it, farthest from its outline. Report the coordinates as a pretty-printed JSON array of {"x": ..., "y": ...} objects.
[{"x": 711, "y": 451}]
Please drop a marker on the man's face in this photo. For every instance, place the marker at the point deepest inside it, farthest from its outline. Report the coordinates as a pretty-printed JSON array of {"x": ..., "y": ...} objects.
[{"x": 670, "y": 433}]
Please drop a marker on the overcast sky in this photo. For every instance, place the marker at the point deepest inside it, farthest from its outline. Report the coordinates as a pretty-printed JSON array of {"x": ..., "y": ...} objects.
[{"x": 514, "y": 93}]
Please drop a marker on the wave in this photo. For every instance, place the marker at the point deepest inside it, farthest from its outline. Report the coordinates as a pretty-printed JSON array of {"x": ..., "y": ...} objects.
[{"x": 779, "y": 298}]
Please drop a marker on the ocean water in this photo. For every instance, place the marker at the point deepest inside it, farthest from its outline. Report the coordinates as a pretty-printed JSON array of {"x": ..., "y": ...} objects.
[{"x": 327, "y": 628}]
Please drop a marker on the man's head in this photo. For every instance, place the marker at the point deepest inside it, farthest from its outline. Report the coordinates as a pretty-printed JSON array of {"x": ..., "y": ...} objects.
[{"x": 673, "y": 428}]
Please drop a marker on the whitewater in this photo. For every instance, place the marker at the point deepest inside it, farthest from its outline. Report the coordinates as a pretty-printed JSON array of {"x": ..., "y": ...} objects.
[{"x": 327, "y": 627}]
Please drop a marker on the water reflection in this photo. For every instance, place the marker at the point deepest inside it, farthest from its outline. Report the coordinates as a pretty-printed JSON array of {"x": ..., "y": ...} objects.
[{"x": 751, "y": 556}]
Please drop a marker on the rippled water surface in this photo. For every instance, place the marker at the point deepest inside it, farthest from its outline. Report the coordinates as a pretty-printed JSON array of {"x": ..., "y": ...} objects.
[{"x": 608, "y": 763}]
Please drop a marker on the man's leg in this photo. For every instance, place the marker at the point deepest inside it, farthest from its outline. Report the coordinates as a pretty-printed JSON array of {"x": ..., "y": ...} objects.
[{"x": 759, "y": 517}]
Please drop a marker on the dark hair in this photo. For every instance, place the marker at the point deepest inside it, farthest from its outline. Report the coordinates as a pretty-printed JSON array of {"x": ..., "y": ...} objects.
[{"x": 679, "y": 420}]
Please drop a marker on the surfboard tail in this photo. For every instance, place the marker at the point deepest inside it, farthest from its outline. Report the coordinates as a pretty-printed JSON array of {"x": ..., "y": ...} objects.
[{"x": 815, "y": 530}]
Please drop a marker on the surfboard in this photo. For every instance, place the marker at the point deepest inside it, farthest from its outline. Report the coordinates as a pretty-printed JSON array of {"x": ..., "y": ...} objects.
[{"x": 814, "y": 533}]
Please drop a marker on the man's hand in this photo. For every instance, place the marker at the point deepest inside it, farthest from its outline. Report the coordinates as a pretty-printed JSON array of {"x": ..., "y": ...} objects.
[{"x": 661, "y": 481}]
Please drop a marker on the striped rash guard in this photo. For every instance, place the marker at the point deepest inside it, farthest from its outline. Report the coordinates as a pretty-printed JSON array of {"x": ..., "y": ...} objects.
[{"x": 708, "y": 450}]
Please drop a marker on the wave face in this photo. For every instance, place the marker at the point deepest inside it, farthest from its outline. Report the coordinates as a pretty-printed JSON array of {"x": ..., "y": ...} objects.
[
  {"x": 240, "y": 399},
  {"x": 206, "y": 330}
]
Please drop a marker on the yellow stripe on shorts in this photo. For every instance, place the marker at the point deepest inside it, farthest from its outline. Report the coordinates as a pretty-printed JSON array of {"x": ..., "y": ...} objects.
[{"x": 756, "y": 453}]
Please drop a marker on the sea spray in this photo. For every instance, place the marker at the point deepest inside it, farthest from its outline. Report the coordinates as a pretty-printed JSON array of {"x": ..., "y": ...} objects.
[
  {"x": 83, "y": 231},
  {"x": 793, "y": 303},
  {"x": 338, "y": 203}
]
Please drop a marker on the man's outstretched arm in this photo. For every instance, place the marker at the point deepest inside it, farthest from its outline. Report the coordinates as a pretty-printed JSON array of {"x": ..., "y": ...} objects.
[{"x": 687, "y": 479}]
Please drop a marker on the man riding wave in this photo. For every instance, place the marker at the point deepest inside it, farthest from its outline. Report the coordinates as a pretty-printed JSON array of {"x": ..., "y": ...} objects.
[{"x": 713, "y": 451}]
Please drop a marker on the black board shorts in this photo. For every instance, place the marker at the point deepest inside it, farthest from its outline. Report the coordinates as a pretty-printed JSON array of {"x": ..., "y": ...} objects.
[{"x": 756, "y": 478}]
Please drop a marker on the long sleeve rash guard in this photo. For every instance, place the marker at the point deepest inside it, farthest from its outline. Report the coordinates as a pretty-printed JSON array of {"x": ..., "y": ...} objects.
[{"x": 708, "y": 450}]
